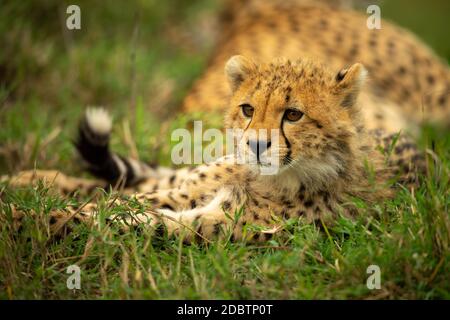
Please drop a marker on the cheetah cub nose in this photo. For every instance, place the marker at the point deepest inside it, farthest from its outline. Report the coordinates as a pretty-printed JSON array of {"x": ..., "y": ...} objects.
[{"x": 259, "y": 146}]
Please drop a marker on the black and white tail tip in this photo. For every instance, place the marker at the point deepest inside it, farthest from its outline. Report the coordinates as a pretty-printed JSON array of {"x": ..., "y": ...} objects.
[{"x": 93, "y": 145}]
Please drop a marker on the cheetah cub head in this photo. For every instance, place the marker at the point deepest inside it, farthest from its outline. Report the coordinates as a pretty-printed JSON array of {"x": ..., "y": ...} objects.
[{"x": 299, "y": 115}]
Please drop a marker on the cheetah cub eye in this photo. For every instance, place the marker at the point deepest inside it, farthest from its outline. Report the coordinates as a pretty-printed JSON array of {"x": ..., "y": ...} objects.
[
  {"x": 247, "y": 110},
  {"x": 293, "y": 115}
]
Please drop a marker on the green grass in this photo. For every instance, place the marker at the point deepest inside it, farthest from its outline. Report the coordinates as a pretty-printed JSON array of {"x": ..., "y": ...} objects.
[{"x": 138, "y": 61}]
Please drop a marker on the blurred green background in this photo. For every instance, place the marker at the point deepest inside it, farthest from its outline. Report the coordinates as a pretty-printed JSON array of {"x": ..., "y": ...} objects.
[{"x": 136, "y": 58}]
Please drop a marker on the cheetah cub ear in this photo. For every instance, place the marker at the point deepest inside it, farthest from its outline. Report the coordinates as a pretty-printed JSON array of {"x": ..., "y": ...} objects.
[
  {"x": 349, "y": 82},
  {"x": 237, "y": 69}
]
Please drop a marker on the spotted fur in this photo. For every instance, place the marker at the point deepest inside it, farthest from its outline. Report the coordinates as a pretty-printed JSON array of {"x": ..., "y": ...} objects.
[
  {"x": 345, "y": 144},
  {"x": 408, "y": 83}
]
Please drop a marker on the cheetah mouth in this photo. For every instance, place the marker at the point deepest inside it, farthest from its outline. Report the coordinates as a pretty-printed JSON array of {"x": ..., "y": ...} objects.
[
  {"x": 264, "y": 168},
  {"x": 263, "y": 162},
  {"x": 264, "y": 165}
]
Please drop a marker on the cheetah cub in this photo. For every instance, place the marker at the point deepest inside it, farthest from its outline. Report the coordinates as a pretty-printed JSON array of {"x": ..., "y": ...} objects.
[{"x": 326, "y": 158}]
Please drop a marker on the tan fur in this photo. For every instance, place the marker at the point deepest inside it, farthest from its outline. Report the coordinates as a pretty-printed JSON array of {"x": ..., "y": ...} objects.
[
  {"x": 407, "y": 82},
  {"x": 328, "y": 156},
  {"x": 330, "y": 153}
]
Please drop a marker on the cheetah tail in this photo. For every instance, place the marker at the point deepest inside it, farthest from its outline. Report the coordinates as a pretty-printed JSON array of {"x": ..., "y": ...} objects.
[{"x": 92, "y": 144}]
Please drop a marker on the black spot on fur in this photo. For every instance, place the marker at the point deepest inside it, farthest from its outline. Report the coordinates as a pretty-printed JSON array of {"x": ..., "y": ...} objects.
[
  {"x": 391, "y": 45},
  {"x": 406, "y": 93},
  {"x": 442, "y": 100},
  {"x": 226, "y": 205},
  {"x": 160, "y": 230},
  {"x": 238, "y": 196},
  {"x": 353, "y": 52},
  {"x": 377, "y": 62},
  {"x": 216, "y": 229},
  {"x": 166, "y": 206},
  {"x": 293, "y": 24},
  {"x": 288, "y": 94},
  {"x": 308, "y": 203},
  {"x": 323, "y": 23},
  {"x": 288, "y": 204},
  {"x": 271, "y": 25}
]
